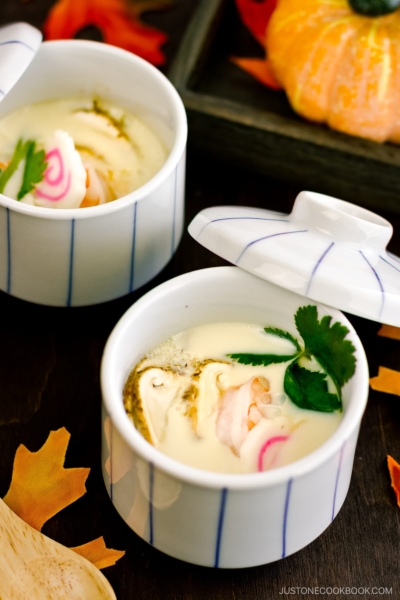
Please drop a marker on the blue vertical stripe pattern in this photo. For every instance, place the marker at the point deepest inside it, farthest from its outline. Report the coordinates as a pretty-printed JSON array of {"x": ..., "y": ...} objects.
[
  {"x": 8, "y": 287},
  {"x": 19, "y": 42},
  {"x": 266, "y": 237},
  {"x": 221, "y": 517},
  {"x": 321, "y": 258},
  {"x": 151, "y": 495},
  {"x": 71, "y": 263},
  {"x": 393, "y": 256},
  {"x": 174, "y": 211},
  {"x": 388, "y": 263},
  {"x": 337, "y": 481},
  {"x": 132, "y": 269},
  {"x": 285, "y": 516},
  {"x": 239, "y": 219},
  {"x": 378, "y": 279}
]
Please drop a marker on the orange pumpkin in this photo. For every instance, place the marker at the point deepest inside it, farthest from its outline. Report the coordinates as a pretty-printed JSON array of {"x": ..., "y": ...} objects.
[{"x": 338, "y": 67}]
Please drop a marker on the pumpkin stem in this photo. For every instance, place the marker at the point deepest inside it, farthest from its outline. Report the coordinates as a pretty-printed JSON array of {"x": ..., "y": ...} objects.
[{"x": 374, "y": 8}]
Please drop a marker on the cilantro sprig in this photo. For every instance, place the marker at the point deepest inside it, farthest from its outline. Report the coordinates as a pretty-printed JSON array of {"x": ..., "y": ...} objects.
[
  {"x": 35, "y": 166},
  {"x": 321, "y": 341}
]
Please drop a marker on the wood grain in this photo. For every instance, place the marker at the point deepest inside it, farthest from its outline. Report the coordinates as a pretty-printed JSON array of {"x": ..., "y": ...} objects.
[
  {"x": 34, "y": 566},
  {"x": 58, "y": 352}
]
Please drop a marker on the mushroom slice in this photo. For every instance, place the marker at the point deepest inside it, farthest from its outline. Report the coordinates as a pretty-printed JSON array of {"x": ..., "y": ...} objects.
[
  {"x": 204, "y": 392},
  {"x": 148, "y": 395}
]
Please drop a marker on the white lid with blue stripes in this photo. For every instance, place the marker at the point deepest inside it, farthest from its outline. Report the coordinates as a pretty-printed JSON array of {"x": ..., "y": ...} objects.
[
  {"x": 19, "y": 43},
  {"x": 326, "y": 249}
]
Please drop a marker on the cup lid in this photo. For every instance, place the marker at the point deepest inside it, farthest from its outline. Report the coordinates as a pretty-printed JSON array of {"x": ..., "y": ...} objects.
[
  {"x": 19, "y": 43},
  {"x": 326, "y": 249}
]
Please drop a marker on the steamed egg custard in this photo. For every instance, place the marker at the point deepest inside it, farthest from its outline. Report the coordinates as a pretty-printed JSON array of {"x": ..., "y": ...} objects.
[
  {"x": 75, "y": 153},
  {"x": 200, "y": 399}
]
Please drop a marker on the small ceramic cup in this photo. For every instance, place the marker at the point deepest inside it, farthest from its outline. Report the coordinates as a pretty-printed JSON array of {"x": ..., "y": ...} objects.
[
  {"x": 213, "y": 519},
  {"x": 74, "y": 257}
]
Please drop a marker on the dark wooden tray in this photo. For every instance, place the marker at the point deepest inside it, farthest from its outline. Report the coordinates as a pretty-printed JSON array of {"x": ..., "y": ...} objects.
[{"x": 233, "y": 117}]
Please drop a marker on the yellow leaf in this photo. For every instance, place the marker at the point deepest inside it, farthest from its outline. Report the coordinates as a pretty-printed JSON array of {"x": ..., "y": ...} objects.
[
  {"x": 390, "y": 332},
  {"x": 40, "y": 486},
  {"x": 98, "y": 553},
  {"x": 387, "y": 381}
]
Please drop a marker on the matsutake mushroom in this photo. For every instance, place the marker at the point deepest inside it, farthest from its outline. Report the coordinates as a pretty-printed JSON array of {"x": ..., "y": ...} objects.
[
  {"x": 204, "y": 392},
  {"x": 148, "y": 395}
]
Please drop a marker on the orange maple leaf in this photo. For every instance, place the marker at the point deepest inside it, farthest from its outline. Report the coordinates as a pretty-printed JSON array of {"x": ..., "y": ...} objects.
[
  {"x": 394, "y": 470},
  {"x": 119, "y": 25},
  {"x": 255, "y": 15},
  {"x": 387, "y": 381},
  {"x": 260, "y": 69},
  {"x": 98, "y": 553},
  {"x": 40, "y": 486},
  {"x": 389, "y": 331}
]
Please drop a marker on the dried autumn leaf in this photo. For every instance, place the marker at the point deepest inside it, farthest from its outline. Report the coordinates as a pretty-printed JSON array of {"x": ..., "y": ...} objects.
[
  {"x": 255, "y": 15},
  {"x": 119, "y": 25},
  {"x": 40, "y": 485},
  {"x": 387, "y": 381},
  {"x": 259, "y": 69},
  {"x": 394, "y": 470},
  {"x": 389, "y": 331},
  {"x": 98, "y": 553}
]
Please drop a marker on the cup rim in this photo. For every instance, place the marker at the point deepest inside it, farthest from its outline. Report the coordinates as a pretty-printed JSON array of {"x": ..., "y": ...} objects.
[
  {"x": 149, "y": 187},
  {"x": 112, "y": 400}
]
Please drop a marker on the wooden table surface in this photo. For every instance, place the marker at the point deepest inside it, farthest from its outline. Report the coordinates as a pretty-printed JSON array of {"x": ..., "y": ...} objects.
[{"x": 49, "y": 378}]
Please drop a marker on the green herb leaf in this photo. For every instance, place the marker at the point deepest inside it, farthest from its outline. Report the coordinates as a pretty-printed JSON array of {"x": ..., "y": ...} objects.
[
  {"x": 19, "y": 154},
  {"x": 327, "y": 344},
  {"x": 35, "y": 166},
  {"x": 309, "y": 389},
  {"x": 262, "y": 359},
  {"x": 283, "y": 334}
]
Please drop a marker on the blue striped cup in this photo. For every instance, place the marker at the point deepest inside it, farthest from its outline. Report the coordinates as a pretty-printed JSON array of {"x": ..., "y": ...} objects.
[
  {"x": 215, "y": 519},
  {"x": 76, "y": 257}
]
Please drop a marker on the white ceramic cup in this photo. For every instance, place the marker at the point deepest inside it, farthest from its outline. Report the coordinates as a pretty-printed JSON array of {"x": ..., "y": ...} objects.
[
  {"x": 73, "y": 257},
  {"x": 213, "y": 519}
]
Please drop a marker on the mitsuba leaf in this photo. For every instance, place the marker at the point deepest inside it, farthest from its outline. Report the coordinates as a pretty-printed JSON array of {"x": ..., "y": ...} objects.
[
  {"x": 283, "y": 334},
  {"x": 323, "y": 342},
  {"x": 261, "y": 359},
  {"x": 19, "y": 154},
  {"x": 309, "y": 389},
  {"x": 35, "y": 166},
  {"x": 327, "y": 344}
]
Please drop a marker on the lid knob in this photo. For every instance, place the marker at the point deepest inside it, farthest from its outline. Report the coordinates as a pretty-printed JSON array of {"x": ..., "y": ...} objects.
[{"x": 341, "y": 221}]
